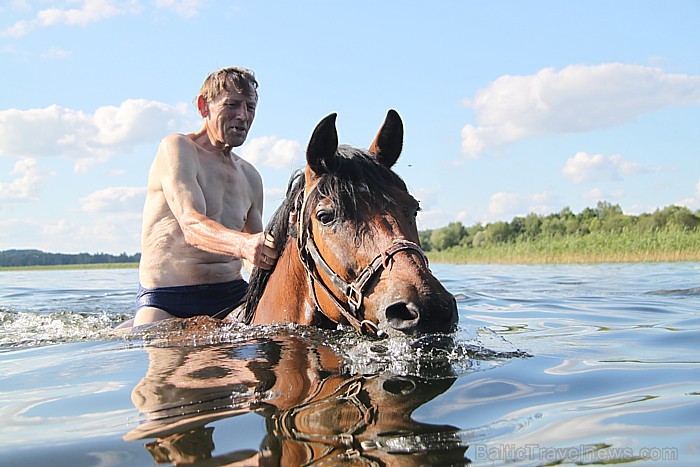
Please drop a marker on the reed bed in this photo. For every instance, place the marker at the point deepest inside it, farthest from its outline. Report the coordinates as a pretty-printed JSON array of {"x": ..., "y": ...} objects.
[{"x": 668, "y": 245}]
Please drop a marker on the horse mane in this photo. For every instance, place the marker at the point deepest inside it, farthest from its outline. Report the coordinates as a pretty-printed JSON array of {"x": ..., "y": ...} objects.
[{"x": 356, "y": 182}]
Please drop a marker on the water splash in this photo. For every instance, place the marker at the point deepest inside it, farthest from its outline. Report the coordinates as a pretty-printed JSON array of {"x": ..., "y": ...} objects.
[
  {"x": 429, "y": 356},
  {"x": 24, "y": 329}
]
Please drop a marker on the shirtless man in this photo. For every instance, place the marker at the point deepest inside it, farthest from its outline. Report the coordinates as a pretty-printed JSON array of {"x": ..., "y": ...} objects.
[{"x": 203, "y": 211}]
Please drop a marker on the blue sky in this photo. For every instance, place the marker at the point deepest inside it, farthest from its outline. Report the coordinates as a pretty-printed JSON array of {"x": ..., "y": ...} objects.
[{"x": 509, "y": 107}]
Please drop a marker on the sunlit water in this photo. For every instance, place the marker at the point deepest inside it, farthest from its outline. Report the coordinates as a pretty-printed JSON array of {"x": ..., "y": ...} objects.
[{"x": 579, "y": 364}]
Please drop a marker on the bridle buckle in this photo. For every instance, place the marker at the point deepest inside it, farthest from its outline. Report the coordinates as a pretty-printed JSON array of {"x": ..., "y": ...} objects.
[{"x": 355, "y": 297}]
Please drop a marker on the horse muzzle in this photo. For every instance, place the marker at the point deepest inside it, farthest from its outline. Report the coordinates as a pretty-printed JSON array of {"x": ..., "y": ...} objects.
[{"x": 433, "y": 314}]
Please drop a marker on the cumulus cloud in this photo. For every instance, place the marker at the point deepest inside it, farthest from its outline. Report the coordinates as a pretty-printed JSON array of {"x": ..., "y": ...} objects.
[
  {"x": 577, "y": 98},
  {"x": 29, "y": 181},
  {"x": 89, "y": 12},
  {"x": 114, "y": 199},
  {"x": 584, "y": 167},
  {"x": 502, "y": 203},
  {"x": 114, "y": 233},
  {"x": 505, "y": 206},
  {"x": 598, "y": 194},
  {"x": 184, "y": 8},
  {"x": 57, "y": 53},
  {"x": 92, "y": 11},
  {"x": 273, "y": 152},
  {"x": 694, "y": 201},
  {"x": 59, "y": 131},
  {"x": 57, "y": 228}
]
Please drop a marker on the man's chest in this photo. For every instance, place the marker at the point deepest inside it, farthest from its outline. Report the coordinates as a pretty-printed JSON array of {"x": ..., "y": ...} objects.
[{"x": 227, "y": 193}]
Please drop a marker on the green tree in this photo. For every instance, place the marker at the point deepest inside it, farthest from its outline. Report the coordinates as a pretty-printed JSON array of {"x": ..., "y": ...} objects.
[
  {"x": 446, "y": 237},
  {"x": 498, "y": 232},
  {"x": 533, "y": 226}
]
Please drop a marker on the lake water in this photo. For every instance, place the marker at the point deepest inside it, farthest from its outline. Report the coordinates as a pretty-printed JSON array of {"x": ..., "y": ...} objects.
[{"x": 571, "y": 364}]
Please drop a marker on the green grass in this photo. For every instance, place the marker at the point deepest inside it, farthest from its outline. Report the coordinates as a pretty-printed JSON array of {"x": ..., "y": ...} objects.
[
  {"x": 653, "y": 246},
  {"x": 71, "y": 266}
]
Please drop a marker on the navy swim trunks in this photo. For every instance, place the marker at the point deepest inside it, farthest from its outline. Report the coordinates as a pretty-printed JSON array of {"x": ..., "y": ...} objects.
[{"x": 194, "y": 300}]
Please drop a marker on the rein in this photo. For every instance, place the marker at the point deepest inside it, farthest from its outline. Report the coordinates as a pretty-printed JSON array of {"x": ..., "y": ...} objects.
[{"x": 353, "y": 292}]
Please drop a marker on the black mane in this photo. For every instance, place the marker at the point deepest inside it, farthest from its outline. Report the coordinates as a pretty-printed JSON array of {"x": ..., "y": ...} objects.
[{"x": 356, "y": 181}]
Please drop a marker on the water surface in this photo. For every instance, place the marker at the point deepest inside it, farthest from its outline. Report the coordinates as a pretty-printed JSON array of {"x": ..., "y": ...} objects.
[{"x": 564, "y": 364}]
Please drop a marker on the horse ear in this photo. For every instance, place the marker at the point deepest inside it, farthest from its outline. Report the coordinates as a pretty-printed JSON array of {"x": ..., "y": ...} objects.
[
  {"x": 389, "y": 140},
  {"x": 320, "y": 154}
]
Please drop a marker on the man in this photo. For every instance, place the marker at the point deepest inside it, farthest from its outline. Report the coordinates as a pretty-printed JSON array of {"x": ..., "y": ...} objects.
[{"x": 203, "y": 211}]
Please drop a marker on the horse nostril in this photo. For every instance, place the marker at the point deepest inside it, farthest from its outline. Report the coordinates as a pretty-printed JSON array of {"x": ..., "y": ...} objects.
[
  {"x": 399, "y": 386},
  {"x": 402, "y": 316}
]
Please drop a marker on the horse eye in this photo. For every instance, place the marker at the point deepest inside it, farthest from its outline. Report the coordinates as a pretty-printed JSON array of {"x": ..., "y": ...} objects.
[{"x": 325, "y": 216}]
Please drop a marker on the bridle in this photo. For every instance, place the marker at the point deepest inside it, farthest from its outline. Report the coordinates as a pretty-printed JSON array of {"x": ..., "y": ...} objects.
[
  {"x": 353, "y": 292},
  {"x": 348, "y": 392}
]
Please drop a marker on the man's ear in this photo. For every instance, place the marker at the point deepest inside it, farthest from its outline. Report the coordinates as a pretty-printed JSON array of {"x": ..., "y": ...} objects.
[{"x": 202, "y": 106}]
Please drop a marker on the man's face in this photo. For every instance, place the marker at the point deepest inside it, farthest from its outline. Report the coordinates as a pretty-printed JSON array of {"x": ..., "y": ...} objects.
[{"x": 230, "y": 116}]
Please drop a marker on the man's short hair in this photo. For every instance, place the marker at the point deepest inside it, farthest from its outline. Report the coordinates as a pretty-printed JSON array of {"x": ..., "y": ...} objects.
[{"x": 231, "y": 78}]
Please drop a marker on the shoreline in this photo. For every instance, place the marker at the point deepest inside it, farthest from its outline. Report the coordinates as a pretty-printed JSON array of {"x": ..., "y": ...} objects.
[
  {"x": 455, "y": 258},
  {"x": 446, "y": 259},
  {"x": 71, "y": 267}
]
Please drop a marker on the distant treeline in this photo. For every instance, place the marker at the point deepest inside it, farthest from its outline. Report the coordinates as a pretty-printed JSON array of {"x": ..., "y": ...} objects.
[
  {"x": 605, "y": 220},
  {"x": 22, "y": 258},
  {"x": 603, "y": 233}
]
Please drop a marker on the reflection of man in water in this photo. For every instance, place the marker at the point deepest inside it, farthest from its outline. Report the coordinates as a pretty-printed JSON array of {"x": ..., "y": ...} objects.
[
  {"x": 313, "y": 409},
  {"x": 203, "y": 210},
  {"x": 187, "y": 388}
]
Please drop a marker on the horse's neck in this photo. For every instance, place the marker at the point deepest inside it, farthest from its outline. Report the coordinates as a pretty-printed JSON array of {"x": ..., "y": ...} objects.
[{"x": 286, "y": 297}]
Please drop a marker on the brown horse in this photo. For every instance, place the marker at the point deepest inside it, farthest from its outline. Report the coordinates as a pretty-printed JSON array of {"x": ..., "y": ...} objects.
[
  {"x": 348, "y": 245},
  {"x": 315, "y": 413}
]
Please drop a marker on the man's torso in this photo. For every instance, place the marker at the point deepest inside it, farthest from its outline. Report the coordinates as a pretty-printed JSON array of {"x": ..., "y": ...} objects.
[{"x": 167, "y": 260}]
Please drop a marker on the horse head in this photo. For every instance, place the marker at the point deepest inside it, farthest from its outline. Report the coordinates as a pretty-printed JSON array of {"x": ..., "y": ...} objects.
[{"x": 356, "y": 257}]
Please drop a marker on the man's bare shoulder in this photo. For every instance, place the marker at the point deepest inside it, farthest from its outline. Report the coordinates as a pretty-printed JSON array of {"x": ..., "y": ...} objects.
[{"x": 176, "y": 142}]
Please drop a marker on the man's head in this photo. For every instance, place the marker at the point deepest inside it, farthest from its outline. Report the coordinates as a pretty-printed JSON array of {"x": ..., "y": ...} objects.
[
  {"x": 241, "y": 80},
  {"x": 227, "y": 101}
]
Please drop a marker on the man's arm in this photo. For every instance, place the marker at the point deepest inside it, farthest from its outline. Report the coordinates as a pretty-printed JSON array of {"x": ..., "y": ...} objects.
[
  {"x": 178, "y": 172},
  {"x": 254, "y": 223}
]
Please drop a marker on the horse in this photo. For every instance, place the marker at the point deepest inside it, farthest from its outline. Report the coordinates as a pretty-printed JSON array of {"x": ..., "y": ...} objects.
[
  {"x": 348, "y": 247},
  {"x": 315, "y": 412}
]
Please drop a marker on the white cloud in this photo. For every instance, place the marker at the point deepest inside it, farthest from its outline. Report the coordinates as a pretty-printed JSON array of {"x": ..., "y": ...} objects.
[
  {"x": 270, "y": 151},
  {"x": 503, "y": 203},
  {"x": 89, "y": 12},
  {"x": 275, "y": 194},
  {"x": 578, "y": 98},
  {"x": 184, "y": 8},
  {"x": 597, "y": 194},
  {"x": 694, "y": 201},
  {"x": 114, "y": 199},
  {"x": 110, "y": 233},
  {"x": 58, "y": 131},
  {"x": 504, "y": 206},
  {"x": 57, "y": 53},
  {"x": 27, "y": 185},
  {"x": 427, "y": 197},
  {"x": 584, "y": 167},
  {"x": 57, "y": 228}
]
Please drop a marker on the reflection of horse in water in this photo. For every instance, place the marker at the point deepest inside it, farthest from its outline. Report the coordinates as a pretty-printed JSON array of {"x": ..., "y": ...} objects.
[
  {"x": 348, "y": 245},
  {"x": 315, "y": 413}
]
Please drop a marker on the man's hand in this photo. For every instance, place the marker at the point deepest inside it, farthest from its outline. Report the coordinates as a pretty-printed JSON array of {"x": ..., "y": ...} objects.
[{"x": 262, "y": 252}]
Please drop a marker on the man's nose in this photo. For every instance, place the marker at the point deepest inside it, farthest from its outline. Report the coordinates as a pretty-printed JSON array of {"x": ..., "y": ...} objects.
[{"x": 241, "y": 112}]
